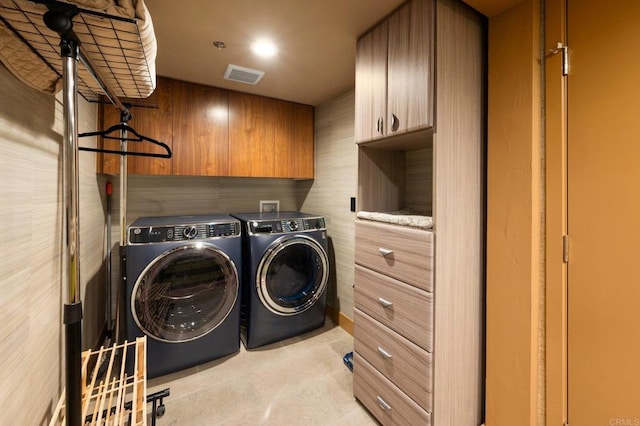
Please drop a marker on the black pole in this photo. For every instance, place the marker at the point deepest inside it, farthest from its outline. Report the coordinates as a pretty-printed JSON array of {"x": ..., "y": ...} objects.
[{"x": 73, "y": 351}]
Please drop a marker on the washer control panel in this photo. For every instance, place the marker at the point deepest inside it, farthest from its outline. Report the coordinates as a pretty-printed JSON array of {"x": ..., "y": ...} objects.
[
  {"x": 286, "y": 226},
  {"x": 199, "y": 231}
]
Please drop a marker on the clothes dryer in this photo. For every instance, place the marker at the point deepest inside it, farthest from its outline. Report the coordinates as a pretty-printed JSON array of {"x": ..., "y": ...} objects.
[
  {"x": 285, "y": 275},
  {"x": 182, "y": 289}
]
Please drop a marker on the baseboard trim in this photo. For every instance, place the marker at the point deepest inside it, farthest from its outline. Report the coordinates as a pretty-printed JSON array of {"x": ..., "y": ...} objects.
[
  {"x": 346, "y": 323},
  {"x": 341, "y": 319}
]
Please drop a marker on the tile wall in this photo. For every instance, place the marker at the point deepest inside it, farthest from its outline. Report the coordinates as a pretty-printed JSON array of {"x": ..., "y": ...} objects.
[
  {"x": 32, "y": 268},
  {"x": 331, "y": 192}
]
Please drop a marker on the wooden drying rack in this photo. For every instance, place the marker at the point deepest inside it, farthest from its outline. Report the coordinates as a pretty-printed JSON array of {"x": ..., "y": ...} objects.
[{"x": 117, "y": 399}]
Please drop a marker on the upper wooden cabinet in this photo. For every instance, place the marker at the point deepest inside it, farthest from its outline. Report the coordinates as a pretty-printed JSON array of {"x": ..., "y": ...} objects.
[
  {"x": 294, "y": 133},
  {"x": 252, "y": 122},
  {"x": 216, "y": 132},
  {"x": 152, "y": 117},
  {"x": 201, "y": 123},
  {"x": 410, "y": 68},
  {"x": 394, "y": 74},
  {"x": 371, "y": 84},
  {"x": 270, "y": 138}
]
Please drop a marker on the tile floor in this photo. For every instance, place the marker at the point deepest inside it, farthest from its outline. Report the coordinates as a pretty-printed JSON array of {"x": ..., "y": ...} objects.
[{"x": 299, "y": 381}]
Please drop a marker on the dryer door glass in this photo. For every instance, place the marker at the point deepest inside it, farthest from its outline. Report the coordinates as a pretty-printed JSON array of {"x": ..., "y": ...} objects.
[
  {"x": 185, "y": 293},
  {"x": 292, "y": 275}
]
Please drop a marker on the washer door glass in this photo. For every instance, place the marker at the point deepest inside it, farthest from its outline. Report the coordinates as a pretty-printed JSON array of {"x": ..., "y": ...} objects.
[
  {"x": 185, "y": 293},
  {"x": 292, "y": 275}
]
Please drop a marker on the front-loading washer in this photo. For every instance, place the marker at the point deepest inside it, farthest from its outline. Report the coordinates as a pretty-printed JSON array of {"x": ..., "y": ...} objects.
[
  {"x": 183, "y": 289},
  {"x": 285, "y": 275}
]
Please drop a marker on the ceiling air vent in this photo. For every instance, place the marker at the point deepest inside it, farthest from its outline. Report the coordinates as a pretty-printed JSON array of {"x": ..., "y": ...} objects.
[{"x": 242, "y": 74}]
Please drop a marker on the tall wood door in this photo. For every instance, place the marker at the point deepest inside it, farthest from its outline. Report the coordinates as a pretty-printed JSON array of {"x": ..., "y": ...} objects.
[{"x": 603, "y": 311}]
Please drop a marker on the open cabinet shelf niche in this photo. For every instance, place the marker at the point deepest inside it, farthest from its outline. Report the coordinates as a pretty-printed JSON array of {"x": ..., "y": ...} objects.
[{"x": 397, "y": 176}]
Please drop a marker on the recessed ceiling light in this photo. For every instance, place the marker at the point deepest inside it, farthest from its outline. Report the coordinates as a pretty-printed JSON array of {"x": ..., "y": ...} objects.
[{"x": 264, "y": 48}]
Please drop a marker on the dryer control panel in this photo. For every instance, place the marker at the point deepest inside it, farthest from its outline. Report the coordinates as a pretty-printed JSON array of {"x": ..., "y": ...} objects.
[
  {"x": 286, "y": 226},
  {"x": 199, "y": 231}
]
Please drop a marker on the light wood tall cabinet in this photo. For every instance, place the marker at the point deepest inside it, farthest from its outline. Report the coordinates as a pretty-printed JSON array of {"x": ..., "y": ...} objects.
[
  {"x": 419, "y": 255},
  {"x": 394, "y": 74}
]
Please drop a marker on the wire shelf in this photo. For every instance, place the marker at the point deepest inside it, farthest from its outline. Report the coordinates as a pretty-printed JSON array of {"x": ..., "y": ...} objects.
[{"x": 113, "y": 44}]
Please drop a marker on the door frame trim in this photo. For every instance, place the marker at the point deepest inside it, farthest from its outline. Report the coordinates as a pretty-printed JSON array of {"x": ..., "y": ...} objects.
[{"x": 555, "y": 116}]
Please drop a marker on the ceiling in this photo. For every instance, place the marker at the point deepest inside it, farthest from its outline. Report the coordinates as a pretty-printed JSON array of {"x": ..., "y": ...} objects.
[
  {"x": 492, "y": 7},
  {"x": 316, "y": 41}
]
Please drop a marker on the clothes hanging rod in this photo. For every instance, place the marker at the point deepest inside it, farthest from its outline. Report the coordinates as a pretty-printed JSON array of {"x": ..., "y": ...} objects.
[{"x": 108, "y": 91}]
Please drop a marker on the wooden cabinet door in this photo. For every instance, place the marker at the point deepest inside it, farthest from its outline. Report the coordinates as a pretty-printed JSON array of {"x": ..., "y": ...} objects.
[
  {"x": 303, "y": 140},
  {"x": 151, "y": 117},
  {"x": 251, "y": 135},
  {"x": 284, "y": 148},
  {"x": 371, "y": 84},
  {"x": 201, "y": 117},
  {"x": 410, "y": 68},
  {"x": 394, "y": 74},
  {"x": 294, "y": 140}
]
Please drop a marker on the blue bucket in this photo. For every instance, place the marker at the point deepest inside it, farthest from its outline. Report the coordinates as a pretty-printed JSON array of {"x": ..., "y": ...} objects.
[{"x": 348, "y": 360}]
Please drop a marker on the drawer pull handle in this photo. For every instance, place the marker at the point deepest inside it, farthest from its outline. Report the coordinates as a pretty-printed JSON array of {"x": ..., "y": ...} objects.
[
  {"x": 384, "y": 354},
  {"x": 384, "y": 302},
  {"x": 385, "y": 252},
  {"x": 383, "y": 404}
]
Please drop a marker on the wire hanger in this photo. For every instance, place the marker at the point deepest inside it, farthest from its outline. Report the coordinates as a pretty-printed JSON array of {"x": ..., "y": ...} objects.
[{"x": 138, "y": 138}]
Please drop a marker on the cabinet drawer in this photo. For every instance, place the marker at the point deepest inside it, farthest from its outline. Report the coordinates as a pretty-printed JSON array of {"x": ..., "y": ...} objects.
[
  {"x": 383, "y": 399},
  {"x": 401, "y": 307},
  {"x": 402, "y": 362},
  {"x": 400, "y": 252}
]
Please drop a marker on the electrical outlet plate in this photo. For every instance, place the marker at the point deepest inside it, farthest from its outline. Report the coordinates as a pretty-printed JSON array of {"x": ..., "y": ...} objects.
[{"x": 269, "y": 206}]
